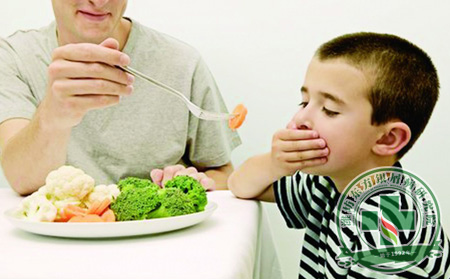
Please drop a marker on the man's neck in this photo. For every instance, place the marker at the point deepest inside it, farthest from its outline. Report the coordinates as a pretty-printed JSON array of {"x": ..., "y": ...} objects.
[{"x": 123, "y": 32}]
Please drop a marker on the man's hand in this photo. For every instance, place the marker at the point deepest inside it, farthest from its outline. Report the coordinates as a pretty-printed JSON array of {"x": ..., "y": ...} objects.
[
  {"x": 294, "y": 149},
  {"x": 82, "y": 77},
  {"x": 160, "y": 177}
]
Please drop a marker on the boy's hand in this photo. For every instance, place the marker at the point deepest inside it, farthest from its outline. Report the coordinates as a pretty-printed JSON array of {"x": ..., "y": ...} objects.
[{"x": 294, "y": 150}]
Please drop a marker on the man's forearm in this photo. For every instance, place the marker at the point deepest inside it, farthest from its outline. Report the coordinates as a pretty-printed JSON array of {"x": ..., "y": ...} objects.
[
  {"x": 220, "y": 175},
  {"x": 28, "y": 156},
  {"x": 253, "y": 179}
]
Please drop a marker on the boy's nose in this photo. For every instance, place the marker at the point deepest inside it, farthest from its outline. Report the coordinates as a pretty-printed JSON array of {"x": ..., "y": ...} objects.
[
  {"x": 304, "y": 127},
  {"x": 301, "y": 121}
]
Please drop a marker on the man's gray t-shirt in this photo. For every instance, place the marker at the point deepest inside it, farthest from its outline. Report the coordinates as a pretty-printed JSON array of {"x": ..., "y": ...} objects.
[{"x": 149, "y": 129}]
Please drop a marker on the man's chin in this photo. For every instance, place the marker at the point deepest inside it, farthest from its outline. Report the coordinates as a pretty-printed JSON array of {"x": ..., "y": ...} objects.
[
  {"x": 94, "y": 38},
  {"x": 93, "y": 34}
]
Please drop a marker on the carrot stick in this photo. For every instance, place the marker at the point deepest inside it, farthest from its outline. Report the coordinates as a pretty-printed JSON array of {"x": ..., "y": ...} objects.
[
  {"x": 103, "y": 206},
  {"x": 94, "y": 206},
  {"x": 71, "y": 210},
  {"x": 86, "y": 219},
  {"x": 108, "y": 216}
]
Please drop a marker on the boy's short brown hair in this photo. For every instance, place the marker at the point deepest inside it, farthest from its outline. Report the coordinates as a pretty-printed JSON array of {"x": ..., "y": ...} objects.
[{"x": 405, "y": 84}]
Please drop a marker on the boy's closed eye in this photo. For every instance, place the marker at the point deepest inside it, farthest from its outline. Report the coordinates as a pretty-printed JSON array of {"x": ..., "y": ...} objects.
[{"x": 328, "y": 112}]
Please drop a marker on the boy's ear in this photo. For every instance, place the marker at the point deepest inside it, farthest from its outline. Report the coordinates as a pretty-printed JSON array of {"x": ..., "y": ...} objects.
[{"x": 394, "y": 136}]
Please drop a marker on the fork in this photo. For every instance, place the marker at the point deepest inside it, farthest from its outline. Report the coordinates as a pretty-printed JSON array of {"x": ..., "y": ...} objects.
[{"x": 194, "y": 109}]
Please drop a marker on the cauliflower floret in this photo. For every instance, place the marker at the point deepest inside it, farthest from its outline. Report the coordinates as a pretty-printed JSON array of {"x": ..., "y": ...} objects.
[
  {"x": 37, "y": 207},
  {"x": 102, "y": 192},
  {"x": 68, "y": 182}
]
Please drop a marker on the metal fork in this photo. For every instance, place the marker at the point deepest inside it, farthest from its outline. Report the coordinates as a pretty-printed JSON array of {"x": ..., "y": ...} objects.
[{"x": 194, "y": 109}]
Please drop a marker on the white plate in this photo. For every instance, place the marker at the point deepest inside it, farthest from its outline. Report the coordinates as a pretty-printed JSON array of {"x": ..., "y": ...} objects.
[{"x": 116, "y": 229}]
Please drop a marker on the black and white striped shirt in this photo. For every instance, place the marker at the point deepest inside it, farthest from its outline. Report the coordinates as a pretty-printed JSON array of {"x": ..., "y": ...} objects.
[{"x": 310, "y": 202}]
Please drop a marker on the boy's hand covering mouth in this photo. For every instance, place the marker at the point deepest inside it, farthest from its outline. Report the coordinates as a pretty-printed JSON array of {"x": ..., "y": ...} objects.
[{"x": 294, "y": 149}]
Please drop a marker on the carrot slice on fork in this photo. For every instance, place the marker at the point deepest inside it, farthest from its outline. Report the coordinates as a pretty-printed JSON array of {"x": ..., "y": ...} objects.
[{"x": 241, "y": 112}]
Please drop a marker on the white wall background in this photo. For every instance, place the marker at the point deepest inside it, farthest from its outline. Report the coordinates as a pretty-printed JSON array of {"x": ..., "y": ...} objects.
[{"x": 258, "y": 51}]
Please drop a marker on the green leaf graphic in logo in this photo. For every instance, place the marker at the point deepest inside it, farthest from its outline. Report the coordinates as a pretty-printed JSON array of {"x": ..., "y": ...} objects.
[{"x": 388, "y": 230}]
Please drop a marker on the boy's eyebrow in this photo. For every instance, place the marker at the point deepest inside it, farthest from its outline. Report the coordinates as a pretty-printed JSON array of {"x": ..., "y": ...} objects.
[{"x": 326, "y": 96}]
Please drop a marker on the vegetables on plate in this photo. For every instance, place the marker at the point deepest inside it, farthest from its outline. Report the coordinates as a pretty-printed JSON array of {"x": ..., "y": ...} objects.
[
  {"x": 68, "y": 192},
  {"x": 70, "y": 195}
]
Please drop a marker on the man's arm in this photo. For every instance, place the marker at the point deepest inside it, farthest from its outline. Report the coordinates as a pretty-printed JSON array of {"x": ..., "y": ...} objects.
[
  {"x": 220, "y": 175},
  {"x": 81, "y": 78},
  {"x": 30, "y": 150}
]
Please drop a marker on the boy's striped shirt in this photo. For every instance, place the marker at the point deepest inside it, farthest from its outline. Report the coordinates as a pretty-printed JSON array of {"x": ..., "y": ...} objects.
[{"x": 310, "y": 202}]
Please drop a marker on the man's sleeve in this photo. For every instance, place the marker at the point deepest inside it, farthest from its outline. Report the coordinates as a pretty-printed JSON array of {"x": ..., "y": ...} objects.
[
  {"x": 16, "y": 98},
  {"x": 209, "y": 142},
  {"x": 293, "y": 197}
]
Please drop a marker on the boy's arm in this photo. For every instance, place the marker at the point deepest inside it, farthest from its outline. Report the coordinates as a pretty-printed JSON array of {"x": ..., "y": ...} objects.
[
  {"x": 292, "y": 150},
  {"x": 254, "y": 179}
]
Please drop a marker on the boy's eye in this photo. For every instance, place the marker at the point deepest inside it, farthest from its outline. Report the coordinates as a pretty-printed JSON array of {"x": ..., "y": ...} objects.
[
  {"x": 303, "y": 104},
  {"x": 329, "y": 113}
]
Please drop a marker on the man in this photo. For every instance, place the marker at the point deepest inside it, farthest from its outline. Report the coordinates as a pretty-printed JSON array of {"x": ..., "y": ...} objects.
[{"x": 62, "y": 101}]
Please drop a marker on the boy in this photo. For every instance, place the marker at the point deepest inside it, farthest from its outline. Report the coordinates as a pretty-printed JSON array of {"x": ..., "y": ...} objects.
[{"x": 366, "y": 99}]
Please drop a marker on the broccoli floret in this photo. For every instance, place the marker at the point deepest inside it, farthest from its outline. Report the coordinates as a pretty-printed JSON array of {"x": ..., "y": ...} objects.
[
  {"x": 134, "y": 182},
  {"x": 173, "y": 203},
  {"x": 192, "y": 188},
  {"x": 138, "y": 197}
]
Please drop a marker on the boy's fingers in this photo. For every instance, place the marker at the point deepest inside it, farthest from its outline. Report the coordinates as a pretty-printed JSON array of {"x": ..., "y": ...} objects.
[
  {"x": 290, "y": 134},
  {"x": 305, "y": 155},
  {"x": 299, "y": 145},
  {"x": 85, "y": 52}
]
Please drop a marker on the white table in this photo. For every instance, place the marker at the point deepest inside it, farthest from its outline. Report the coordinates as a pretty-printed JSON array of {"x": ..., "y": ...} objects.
[{"x": 233, "y": 243}]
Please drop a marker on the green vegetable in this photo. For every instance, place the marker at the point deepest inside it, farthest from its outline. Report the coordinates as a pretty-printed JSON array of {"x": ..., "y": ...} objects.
[
  {"x": 134, "y": 182},
  {"x": 141, "y": 199},
  {"x": 136, "y": 203},
  {"x": 192, "y": 188},
  {"x": 137, "y": 198},
  {"x": 173, "y": 203}
]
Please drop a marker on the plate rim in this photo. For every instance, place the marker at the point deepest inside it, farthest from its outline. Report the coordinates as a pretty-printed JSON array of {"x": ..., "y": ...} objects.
[{"x": 197, "y": 217}]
